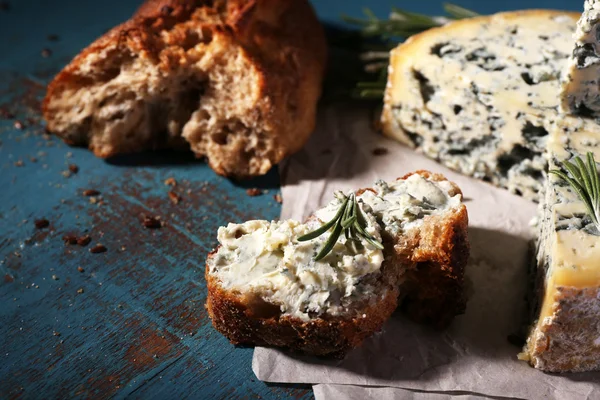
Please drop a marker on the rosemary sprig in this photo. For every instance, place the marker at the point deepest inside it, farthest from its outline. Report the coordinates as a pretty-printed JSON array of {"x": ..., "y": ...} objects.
[
  {"x": 349, "y": 219},
  {"x": 585, "y": 181},
  {"x": 400, "y": 24}
]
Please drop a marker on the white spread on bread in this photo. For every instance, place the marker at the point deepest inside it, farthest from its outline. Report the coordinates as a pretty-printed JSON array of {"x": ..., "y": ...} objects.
[{"x": 266, "y": 259}]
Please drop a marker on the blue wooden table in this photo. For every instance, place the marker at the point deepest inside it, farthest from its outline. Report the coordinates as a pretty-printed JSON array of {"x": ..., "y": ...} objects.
[{"x": 129, "y": 321}]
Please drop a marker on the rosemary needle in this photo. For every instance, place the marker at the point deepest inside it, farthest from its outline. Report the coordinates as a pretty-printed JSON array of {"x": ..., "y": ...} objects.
[
  {"x": 348, "y": 219},
  {"x": 400, "y": 24},
  {"x": 586, "y": 182}
]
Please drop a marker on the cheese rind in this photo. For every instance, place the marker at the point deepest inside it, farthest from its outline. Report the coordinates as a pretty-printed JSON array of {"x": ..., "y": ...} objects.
[
  {"x": 479, "y": 95},
  {"x": 565, "y": 335},
  {"x": 581, "y": 81}
]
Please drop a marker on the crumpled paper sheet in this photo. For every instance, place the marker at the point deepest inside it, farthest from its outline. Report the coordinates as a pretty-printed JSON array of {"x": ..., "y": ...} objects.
[
  {"x": 473, "y": 355},
  {"x": 350, "y": 392}
]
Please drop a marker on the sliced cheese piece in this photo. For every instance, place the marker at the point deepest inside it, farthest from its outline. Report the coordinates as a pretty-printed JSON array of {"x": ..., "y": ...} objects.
[
  {"x": 566, "y": 334},
  {"x": 581, "y": 82},
  {"x": 479, "y": 95}
]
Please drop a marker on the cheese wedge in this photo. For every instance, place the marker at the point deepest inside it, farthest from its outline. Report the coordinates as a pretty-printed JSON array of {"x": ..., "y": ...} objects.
[
  {"x": 478, "y": 95},
  {"x": 581, "y": 91},
  {"x": 566, "y": 334}
]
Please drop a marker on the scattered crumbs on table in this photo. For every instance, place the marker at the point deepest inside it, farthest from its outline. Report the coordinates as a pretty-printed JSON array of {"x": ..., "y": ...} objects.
[
  {"x": 54, "y": 333},
  {"x": 54, "y": 277},
  {"x": 252, "y": 192},
  {"x": 41, "y": 223},
  {"x": 80, "y": 291},
  {"x": 32, "y": 159},
  {"x": 277, "y": 197},
  {"x": 70, "y": 239},
  {"x": 66, "y": 174},
  {"x": 90, "y": 192},
  {"x": 380, "y": 151},
  {"x": 68, "y": 154},
  {"x": 5, "y": 114},
  {"x": 73, "y": 168},
  {"x": 99, "y": 248},
  {"x": 123, "y": 248},
  {"x": 18, "y": 125},
  {"x": 80, "y": 269},
  {"x": 19, "y": 163},
  {"x": 84, "y": 240},
  {"x": 46, "y": 53},
  {"x": 151, "y": 222},
  {"x": 174, "y": 197},
  {"x": 170, "y": 181},
  {"x": 93, "y": 200}
]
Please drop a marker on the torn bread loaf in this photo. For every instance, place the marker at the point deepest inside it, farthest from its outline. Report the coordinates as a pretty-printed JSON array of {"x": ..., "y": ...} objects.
[
  {"x": 566, "y": 334},
  {"x": 479, "y": 94},
  {"x": 265, "y": 287},
  {"x": 235, "y": 81},
  {"x": 581, "y": 80}
]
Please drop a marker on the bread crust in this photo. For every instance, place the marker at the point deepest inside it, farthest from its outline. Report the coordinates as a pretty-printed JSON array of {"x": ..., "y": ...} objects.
[
  {"x": 567, "y": 340},
  {"x": 426, "y": 270},
  {"x": 258, "y": 64}
]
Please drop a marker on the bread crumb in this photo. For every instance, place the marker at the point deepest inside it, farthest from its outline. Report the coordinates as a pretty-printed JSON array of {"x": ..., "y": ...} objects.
[
  {"x": 254, "y": 192},
  {"x": 98, "y": 249},
  {"x": 84, "y": 240},
  {"x": 170, "y": 181},
  {"x": 80, "y": 291},
  {"x": 41, "y": 223},
  {"x": 278, "y": 198},
  {"x": 90, "y": 192},
  {"x": 175, "y": 198},
  {"x": 151, "y": 223}
]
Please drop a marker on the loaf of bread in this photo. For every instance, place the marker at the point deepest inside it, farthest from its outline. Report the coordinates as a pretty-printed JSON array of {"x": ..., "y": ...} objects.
[
  {"x": 479, "y": 95},
  {"x": 265, "y": 287},
  {"x": 236, "y": 81}
]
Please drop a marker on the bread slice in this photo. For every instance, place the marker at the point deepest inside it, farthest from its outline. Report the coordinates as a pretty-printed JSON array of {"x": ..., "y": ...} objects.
[
  {"x": 236, "y": 81},
  {"x": 581, "y": 81},
  {"x": 264, "y": 288},
  {"x": 565, "y": 334},
  {"x": 479, "y": 95}
]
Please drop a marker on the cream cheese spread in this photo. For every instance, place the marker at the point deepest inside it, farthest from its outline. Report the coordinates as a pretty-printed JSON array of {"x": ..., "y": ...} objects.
[{"x": 266, "y": 259}]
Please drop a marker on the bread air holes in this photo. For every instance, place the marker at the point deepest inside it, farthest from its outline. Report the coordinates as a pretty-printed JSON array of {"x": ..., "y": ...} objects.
[{"x": 227, "y": 131}]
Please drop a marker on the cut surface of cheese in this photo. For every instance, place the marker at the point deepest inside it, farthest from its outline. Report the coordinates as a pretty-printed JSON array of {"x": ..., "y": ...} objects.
[
  {"x": 479, "y": 95},
  {"x": 566, "y": 334},
  {"x": 581, "y": 81}
]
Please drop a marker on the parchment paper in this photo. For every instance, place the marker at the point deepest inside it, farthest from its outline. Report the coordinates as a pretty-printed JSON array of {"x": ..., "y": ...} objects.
[
  {"x": 350, "y": 392},
  {"x": 474, "y": 354}
]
